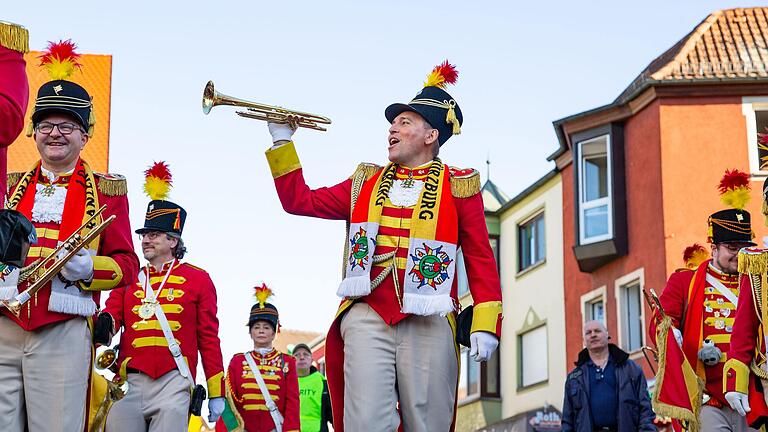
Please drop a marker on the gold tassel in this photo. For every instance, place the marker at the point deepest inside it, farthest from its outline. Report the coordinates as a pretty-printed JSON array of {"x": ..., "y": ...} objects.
[
  {"x": 765, "y": 211},
  {"x": 14, "y": 37},
  {"x": 450, "y": 118},
  {"x": 710, "y": 231},
  {"x": 465, "y": 187},
  {"x": 30, "y": 129},
  {"x": 753, "y": 263},
  {"x": 112, "y": 187},
  {"x": 13, "y": 178},
  {"x": 91, "y": 120}
]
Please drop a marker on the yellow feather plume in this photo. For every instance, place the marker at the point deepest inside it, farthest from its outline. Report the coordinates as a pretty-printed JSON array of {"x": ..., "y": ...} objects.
[
  {"x": 156, "y": 189},
  {"x": 59, "y": 70},
  {"x": 262, "y": 293},
  {"x": 736, "y": 198},
  {"x": 435, "y": 79}
]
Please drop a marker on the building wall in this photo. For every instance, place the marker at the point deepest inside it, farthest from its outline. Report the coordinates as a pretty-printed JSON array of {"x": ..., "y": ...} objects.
[
  {"x": 539, "y": 289},
  {"x": 644, "y": 229},
  {"x": 701, "y": 138}
]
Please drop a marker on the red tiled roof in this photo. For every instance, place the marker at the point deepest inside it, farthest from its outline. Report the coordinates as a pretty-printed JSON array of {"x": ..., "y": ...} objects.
[
  {"x": 730, "y": 44},
  {"x": 287, "y": 337}
]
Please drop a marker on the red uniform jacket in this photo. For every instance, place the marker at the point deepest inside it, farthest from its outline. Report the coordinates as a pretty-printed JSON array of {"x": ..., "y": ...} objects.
[
  {"x": 717, "y": 316},
  {"x": 115, "y": 263},
  {"x": 14, "y": 95},
  {"x": 279, "y": 373},
  {"x": 191, "y": 313},
  {"x": 748, "y": 344}
]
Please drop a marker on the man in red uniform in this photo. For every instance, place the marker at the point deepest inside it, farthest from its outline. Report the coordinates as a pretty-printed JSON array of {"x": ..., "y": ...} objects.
[
  {"x": 746, "y": 371},
  {"x": 14, "y": 91},
  {"x": 406, "y": 223},
  {"x": 45, "y": 352},
  {"x": 182, "y": 296},
  {"x": 702, "y": 304}
]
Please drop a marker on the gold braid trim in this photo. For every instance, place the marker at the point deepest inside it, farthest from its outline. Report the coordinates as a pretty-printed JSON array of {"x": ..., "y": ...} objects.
[
  {"x": 465, "y": 186},
  {"x": 112, "y": 184},
  {"x": 230, "y": 395},
  {"x": 13, "y": 178},
  {"x": 14, "y": 37},
  {"x": 365, "y": 169},
  {"x": 754, "y": 263}
]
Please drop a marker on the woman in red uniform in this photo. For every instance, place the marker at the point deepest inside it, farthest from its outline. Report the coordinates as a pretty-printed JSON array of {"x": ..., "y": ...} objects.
[{"x": 277, "y": 370}]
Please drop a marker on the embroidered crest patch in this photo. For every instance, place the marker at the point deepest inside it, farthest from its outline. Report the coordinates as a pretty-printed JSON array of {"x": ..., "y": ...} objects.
[
  {"x": 358, "y": 249},
  {"x": 430, "y": 266}
]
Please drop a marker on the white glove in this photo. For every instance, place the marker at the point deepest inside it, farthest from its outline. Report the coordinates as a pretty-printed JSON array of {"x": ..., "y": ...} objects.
[
  {"x": 281, "y": 131},
  {"x": 215, "y": 408},
  {"x": 80, "y": 267},
  {"x": 482, "y": 345},
  {"x": 678, "y": 336},
  {"x": 739, "y": 402}
]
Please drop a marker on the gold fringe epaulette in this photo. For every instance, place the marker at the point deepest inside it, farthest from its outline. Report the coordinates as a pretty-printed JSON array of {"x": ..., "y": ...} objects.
[
  {"x": 368, "y": 168},
  {"x": 753, "y": 261},
  {"x": 15, "y": 37},
  {"x": 14, "y": 177},
  {"x": 111, "y": 184},
  {"x": 465, "y": 183}
]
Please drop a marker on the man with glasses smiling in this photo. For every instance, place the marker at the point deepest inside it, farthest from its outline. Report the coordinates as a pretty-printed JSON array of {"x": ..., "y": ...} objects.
[
  {"x": 703, "y": 304},
  {"x": 45, "y": 352}
]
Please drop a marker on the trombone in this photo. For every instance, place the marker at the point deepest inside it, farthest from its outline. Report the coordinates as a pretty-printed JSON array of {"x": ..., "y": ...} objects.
[
  {"x": 258, "y": 111},
  {"x": 45, "y": 270}
]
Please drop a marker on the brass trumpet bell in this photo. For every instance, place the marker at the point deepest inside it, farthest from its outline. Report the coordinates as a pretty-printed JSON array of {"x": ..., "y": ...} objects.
[
  {"x": 106, "y": 360},
  {"x": 258, "y": 111}
]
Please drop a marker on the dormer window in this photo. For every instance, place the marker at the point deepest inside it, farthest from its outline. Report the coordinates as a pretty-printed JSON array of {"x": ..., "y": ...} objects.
[{"x": 595, "y": 212}]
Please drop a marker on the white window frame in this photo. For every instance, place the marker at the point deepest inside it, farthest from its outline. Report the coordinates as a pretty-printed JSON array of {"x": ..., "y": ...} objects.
[
  {"x": 750, "y": 105},
  {"x": 520, "y": 224},
  {"x": 620, "y": 283},
  {"x": 607, "y": 201},
  {"x": 591, "y": 297}
]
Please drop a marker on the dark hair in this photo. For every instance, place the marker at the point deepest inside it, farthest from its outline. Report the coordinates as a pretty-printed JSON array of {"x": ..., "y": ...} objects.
[{"x": 179, "y": 250}]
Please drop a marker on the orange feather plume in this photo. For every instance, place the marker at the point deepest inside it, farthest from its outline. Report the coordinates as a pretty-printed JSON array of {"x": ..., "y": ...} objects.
[
  {"x": 60, "y": 59},
  {"x": 694, "y": 255},
  {"x": 158, "y": 181},
  {"x": 443, "y": 74},
  {"x": 734, "y": 189},
  {"x": 262, "y": 293}
]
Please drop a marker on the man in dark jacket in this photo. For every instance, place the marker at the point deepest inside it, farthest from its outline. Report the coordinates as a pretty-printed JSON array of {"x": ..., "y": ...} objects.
[{"x": 606, "y": 391}]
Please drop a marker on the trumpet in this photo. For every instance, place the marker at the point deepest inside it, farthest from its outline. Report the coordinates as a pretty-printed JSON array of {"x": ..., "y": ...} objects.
[
  {"x": 106, "y": 392},
  {"x": 40, "y": 273},
  {"x": 258, "y": 111}
]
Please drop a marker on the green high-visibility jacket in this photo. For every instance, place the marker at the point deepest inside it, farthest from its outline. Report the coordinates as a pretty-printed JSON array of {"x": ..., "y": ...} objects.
[{"x": 314, "y": 402}]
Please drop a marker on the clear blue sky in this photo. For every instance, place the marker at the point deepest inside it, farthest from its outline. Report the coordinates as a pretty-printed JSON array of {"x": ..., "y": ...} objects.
[{"x": 521, "y": 65}]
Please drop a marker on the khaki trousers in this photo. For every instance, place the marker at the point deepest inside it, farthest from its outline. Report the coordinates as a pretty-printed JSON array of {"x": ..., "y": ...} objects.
[
  {"x": 722, "y": 419},
  {"x": 413, "y": 362},
  {"x": 44, "y": 376},
  {"x": 160, "y": 405}
]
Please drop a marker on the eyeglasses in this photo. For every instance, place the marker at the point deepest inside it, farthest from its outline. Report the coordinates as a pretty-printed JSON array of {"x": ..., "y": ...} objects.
[
  {"x": 732, "y": 247},
  {"x": 65, "y": 128},
  {"x": 151, "y": 235}
]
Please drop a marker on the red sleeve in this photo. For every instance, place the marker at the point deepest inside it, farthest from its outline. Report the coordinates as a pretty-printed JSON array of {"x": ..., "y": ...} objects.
[
  {"x": 234, "y": 376},
  {"x": 482, "y": 270},
  {"x": 292, "y": 412},
  {"x": 116, "y": 240},
  {"x": 745, "y": 325},
  {"x": 325, "y": 202},
  {"x": 114, "y": 306},
  {"x": 208, "y": 342},
  {"x": 14, "y": 95},
  {"x": 673, "y": 299}
]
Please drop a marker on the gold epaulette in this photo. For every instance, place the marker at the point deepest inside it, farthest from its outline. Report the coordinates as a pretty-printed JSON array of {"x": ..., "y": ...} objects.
[
  {"x": 15, "y": 37},
  {"x": 14, "y": 177},
  {"x": 464, "y": 182},
  {"x": 683, "y": 269},
  {"x": 753, "y": 261},
  {"x": 111, "y": 184},
  {"x": 368, "y": 169}
]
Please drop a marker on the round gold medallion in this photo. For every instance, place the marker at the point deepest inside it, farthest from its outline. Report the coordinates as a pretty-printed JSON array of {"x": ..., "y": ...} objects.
[{"x": 147, "y": 310}]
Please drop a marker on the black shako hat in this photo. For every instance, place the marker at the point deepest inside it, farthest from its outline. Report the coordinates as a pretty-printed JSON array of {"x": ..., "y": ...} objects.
[
  {"x": 434, "y": 104},
  {"x": 267, "y": 313},
  {"x": 164, "y": 216},
  {"x": 15, "y": 231},
  {"x": 729, "y": 226},
  {"x": 66, "y": 97}
]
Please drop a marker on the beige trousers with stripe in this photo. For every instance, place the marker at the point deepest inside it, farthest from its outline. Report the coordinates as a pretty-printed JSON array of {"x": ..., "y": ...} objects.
[
  {"x": 160, "y": 405},
  {"x": 413, "y": 362},
  {"x": 44, "y": 376}
]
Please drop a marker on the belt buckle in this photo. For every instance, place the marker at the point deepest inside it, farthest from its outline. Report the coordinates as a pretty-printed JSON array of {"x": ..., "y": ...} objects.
[{"x": 175, "y": 349}]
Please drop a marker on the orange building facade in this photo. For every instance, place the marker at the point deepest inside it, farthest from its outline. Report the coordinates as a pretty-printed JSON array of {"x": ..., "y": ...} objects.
[{"x": 640, "y": 175}]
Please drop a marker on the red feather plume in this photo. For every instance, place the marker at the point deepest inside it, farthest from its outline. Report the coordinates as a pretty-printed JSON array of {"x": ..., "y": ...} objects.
[
  {"x": 61, "y": 51},
  {"x": 159, "y": 170},
  {"x": 442, "y": 74},
  {"x": 733, "y": 179},
  {"x": 691, "y": 250}
]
